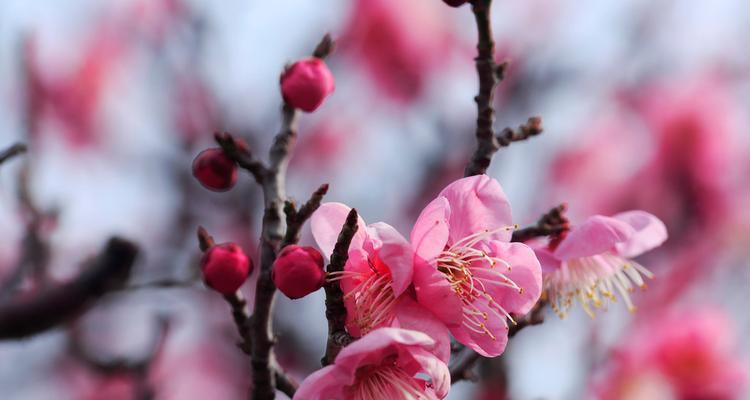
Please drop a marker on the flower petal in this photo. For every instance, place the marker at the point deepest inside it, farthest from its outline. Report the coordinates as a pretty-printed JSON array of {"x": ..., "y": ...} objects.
[
  {"x": 378, "y": 344},
  {"x": 598, "y": 234},
  {"x": 436, "y": 369},
  {"x": 326, "y": 225},
  {"x": 548, "y": 262},
  {"x": 394, "y": 251},
  {"x": 525, "y": 271},
  {"x": 482, "y": 343},
  {"x": 325, "y": 384},
  {"x": 412, "y": 315},
  {"x": 434, "y": 293},
  {"x": 430, "y": 232},
  {"x": 477, "y": 203},
  {"x": 650, "y": 232}
]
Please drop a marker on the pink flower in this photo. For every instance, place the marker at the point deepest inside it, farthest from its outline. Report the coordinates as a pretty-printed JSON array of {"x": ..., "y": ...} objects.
[
  {"x": 592, "y": 261},
  {"x": 466, "y": 271},
  {"x": 681, "y": 355},
  {"x": 377, "y": 278},
  {"x": 387, "y": 363}
]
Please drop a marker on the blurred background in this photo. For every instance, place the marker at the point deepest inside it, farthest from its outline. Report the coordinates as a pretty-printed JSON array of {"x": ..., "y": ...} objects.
[{"x": 644, "y": 106}]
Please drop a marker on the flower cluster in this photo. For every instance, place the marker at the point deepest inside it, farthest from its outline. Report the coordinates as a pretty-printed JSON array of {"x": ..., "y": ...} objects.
[{"x": 460, "y": 275}]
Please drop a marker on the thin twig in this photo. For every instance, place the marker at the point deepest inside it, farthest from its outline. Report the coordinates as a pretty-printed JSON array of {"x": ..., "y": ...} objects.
[
  {"x": 295, "y": 219},
  {"x": 110, "y": 271},
  {"x": 553, "y": 222},
  {"x": 243, "y": 322},
  {"x": 12, "y": 151},
  {"x": 489, "y": 74},
  {"x": 238, "y": 151},
  {"x": 531, "y": 128},
  {"x": 335, "y": 308},
  {"x": 462, "y": 368},
  {"x": 272, "y": 234}
]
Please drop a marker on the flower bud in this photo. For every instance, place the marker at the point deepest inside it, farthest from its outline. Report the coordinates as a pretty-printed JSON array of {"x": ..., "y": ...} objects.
[
  {"x": 306, "y": 84},
  {"x": 215, "y": 170},
  {"x": 298, "y": 271},
  {"x": 455, "y": 3},
  {"x": 225, "y": 267}
]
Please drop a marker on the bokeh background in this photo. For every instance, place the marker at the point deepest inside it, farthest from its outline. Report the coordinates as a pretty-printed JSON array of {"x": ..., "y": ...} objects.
[{"x": 644, "y": 106}]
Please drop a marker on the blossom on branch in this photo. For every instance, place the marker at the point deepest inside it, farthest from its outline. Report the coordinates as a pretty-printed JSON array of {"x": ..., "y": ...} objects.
[
  {"x": 387, "y": 363},
  {"x": 466, "y": 270},
  {"x": 592, "y": 262}
]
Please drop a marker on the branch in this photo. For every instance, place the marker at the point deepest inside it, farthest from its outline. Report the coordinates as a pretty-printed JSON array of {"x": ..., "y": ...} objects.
[
  {"x": 109, "y": 272},
  {"x": 237, "y": 150},
  {"x": 532, "y": 127},
  {"x": 335, "y": 308},
  {"x": 489, "y": 74},
  {"x": 295, "y": 219},
  {"x": 243, "y": 322},
  {"x": 534, "y": 317},
  {"x": 12, "y": 151},
  {"x": 552, "y": 223},
  {"x": 272, "y": 234}
]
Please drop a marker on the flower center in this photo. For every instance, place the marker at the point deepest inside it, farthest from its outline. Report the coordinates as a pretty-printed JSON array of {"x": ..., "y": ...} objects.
[
  {"x": 592, "y": 281},
  {"x": 384, "y": 382},
  {"x": 373, "y": 297},
  {"x": 471, "y": 270}
]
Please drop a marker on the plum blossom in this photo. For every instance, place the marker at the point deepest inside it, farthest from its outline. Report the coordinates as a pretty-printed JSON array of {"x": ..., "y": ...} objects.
[
  {"x": 466, "y": 270},
  {"x": 678, "y": 355},
  {"x": 376, "y": 278},
  {"x": 592, "y": 261},
  {"x": 387, "y": 363}
]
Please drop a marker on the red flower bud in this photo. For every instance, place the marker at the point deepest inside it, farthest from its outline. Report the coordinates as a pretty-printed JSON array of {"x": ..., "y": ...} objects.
[
  {"x": 306, "y": 84},
  {"x": 215, "y": 170},
  {"x": 455, "y": 3},
  {"x": 298, "y": 271},
  {"x": 225, "y": 267}
]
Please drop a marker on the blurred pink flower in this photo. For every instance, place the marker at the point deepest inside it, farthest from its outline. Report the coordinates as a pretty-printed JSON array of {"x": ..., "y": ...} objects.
[
  {"x": 687, "y": 355},
  {"x": 72, "y": 100},
  {"x": 381, "y": 35},
  {"x": 387, "y": 363},
  {"x": 376, "y": 278},
  {"x": 466, "y": 271},
  {"x": 592, "y": 261}
]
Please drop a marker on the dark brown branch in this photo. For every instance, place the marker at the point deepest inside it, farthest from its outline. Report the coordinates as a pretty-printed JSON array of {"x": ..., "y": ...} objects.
[
  {"x": 272, "y": 233},
  {"x": 54, "y": 306},
  {"x": 335, "y": 309},
  {"x": 534, "y": 317},
  {"x": 12, "y": 151},
  {"x": 552, "y": 223},
  {"x": 295, "y": 219},
  {"x": 243, "y": 322},
  {"x": 237, "y": 150},
  {"x": 532, "y": 127},
  {"x": 489, "y": 75}
]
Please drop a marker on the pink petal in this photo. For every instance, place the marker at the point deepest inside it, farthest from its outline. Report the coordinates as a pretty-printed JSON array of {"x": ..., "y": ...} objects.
[
  {"x": 481, "y": 342},
  {"x": 378, "y": 344},
  {"x": 325, "y": 384},
  {"x": 435, "y": 293},
  {"x": 437, "y": 370},
  {"x": 477, "y": 203},
  {"x": 650, "y": 232},
  {"x": 411, "y": 315},
  {"x": 548, "y": 262},
  {"x": 430, "y": 232},
  {"x": 598, "y": 234},
  {"x": 525, "y": 272},
  {"x": 326, "y": 225},
  {"x": 395, "y": 252}
]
